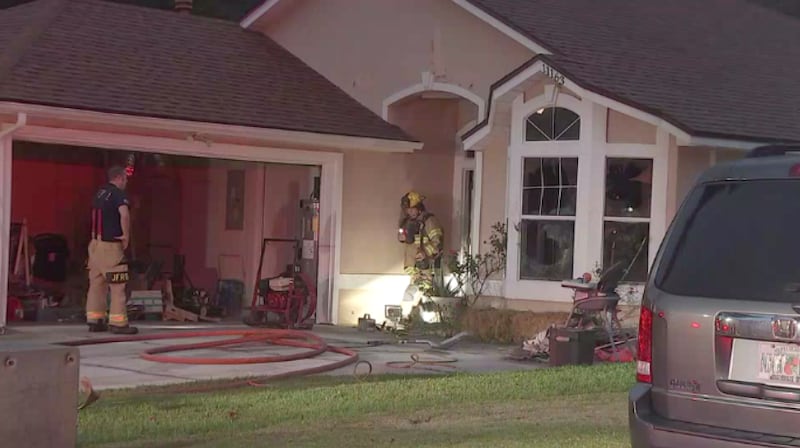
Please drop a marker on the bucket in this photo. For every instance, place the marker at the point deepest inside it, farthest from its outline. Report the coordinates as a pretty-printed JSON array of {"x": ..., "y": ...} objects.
[{"x": 14, "y": 310}]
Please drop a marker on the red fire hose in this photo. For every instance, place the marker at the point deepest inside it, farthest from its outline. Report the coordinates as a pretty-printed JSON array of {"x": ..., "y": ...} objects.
[{"x": 313, "y": 344}]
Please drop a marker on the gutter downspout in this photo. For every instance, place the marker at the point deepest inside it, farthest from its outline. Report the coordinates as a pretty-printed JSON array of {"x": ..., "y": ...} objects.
[
  {"x": 22, "y": 121},
  {"x": 5, "y": 211}
]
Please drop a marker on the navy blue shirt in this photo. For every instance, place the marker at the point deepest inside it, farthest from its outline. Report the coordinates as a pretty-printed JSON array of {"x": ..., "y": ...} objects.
[{"x": 105, "y": 212}]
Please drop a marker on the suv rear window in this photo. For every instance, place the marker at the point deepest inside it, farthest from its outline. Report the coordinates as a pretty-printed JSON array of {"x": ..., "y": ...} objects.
[{"x": 736, "y": 240}]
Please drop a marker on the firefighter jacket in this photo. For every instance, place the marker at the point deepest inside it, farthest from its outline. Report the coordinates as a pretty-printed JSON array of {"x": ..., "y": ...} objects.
[{"x": 430, "y": 239}]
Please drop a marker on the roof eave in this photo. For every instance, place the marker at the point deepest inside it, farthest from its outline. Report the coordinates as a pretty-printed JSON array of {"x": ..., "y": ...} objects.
[
  {"x": 257, "y": 13},
  {"x": 194, "y": 128},
  {"x": 499, "y": 23},
  {"x": 584, "y": 89}
]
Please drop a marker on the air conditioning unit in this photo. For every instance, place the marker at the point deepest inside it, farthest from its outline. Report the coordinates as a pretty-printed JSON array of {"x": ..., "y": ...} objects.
[{"x": 39, "y": 402}]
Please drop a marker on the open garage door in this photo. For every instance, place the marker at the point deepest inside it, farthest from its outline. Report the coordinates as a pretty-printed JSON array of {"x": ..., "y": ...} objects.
[{"x": 196, "y": 221}]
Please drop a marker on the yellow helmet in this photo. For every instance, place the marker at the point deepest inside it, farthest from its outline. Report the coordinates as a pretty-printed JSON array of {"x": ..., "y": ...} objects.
[{"x": 411, "y": 199}]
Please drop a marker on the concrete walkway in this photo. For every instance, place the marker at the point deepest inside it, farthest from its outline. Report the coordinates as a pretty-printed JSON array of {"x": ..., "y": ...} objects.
[{"x": 118, "y": 365}]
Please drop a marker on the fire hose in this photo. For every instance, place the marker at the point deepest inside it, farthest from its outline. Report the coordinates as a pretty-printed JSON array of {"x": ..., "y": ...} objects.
[{"x": 313, "y": 344}]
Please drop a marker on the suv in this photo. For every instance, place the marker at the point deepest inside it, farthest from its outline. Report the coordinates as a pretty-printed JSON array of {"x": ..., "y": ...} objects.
[{"x": 719, "y": 361}]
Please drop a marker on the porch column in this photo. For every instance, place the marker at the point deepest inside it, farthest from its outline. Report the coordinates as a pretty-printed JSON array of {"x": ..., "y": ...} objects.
[{"x": 5, "y": 222}]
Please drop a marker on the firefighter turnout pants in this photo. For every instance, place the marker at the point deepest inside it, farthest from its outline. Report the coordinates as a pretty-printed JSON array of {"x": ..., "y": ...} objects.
[{"x": 107, "y": 272}]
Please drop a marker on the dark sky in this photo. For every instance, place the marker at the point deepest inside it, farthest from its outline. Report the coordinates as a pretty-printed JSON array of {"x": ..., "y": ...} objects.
[
  {"x": 223, "y": 9},
  {"x": 236, "y": 9}
]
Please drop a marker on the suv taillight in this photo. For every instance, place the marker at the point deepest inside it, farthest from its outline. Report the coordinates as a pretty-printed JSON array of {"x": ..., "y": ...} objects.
[{"x": 645, "y": 348}]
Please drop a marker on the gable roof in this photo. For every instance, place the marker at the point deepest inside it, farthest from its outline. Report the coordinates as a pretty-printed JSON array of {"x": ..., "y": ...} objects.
[
  {"x": 714, "y": 68},
  {"x": 110, "y": 57}
]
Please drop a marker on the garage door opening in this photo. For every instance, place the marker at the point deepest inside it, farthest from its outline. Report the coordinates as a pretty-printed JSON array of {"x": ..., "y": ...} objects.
[{"x": 198, "y": 222}]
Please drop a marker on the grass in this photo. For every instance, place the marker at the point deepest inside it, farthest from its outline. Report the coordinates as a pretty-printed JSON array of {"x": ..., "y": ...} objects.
[{"x": 570, "y": 406}]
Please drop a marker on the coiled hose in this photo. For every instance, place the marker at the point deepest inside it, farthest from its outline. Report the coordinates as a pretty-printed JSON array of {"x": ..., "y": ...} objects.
[{"x": 313, "y": 344}]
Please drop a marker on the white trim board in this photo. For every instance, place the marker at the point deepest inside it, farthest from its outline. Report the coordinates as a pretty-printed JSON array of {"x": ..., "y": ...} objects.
[
  {"x": 429, "y": 84},
  {"x": 258, "y": 12},
  {"x": 373, "y": 282},
  {"x": 537, "y": 68},
  {"x": 201, "y": 130},
  {"x": 5, "y": 223}
]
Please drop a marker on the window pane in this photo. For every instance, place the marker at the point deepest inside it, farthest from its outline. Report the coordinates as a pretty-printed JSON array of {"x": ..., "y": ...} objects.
[
  {"x": 546, "y": 250},
  {"x": 567, "y": 125},
  {"x": 540, "y": 122},
  {"x": 627, "y": 243},
  {"x": 553, "y": 123},
  {"x": 533, "y": 134},
  {"x": 569, "y": 199},
  {"x": 569, "y": 171},
  {"x": 558, "y": 177},
  {"x": 531, "y": 200},
  {"x": 550, "y": 201},
  {"x": 628, "y": 187},
  {"x": 738, "y": 240},
  {"x": 551, "y": 173},
  {"x": 532, "y": 174}
]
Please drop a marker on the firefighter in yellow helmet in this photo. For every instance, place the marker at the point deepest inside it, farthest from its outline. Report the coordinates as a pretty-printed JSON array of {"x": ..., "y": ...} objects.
[
  {"x": 423, "y": 236},
  {"x": 420, "y": 229}
]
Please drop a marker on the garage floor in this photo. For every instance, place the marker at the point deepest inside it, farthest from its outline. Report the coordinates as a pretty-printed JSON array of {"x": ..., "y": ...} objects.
[{"x": 118, "y": 365}]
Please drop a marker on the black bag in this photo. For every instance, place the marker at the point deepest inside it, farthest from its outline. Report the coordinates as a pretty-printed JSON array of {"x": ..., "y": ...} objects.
[{"x": 52, "y": 253}]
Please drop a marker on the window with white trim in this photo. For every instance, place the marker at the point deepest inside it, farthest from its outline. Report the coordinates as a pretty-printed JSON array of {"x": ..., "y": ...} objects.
[
  {"x": 626, "y": 219},
  {"x": 553, "y": 124},
  {"x": 547, "y": 225}
]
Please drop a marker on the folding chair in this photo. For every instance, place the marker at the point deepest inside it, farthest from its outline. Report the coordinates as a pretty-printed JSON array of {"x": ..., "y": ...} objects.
[{"x": 597, "y": 301}]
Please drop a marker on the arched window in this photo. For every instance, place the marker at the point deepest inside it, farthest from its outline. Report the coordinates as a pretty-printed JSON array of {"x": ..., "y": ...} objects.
[{"x": 552, "y": 124}]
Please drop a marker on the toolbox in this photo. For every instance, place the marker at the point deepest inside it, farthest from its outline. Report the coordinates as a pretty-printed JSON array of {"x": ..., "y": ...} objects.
[{"x": 150, "y": 301}]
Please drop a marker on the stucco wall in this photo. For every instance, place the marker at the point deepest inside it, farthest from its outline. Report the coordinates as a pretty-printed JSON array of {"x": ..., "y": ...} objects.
[
  {"x": 691, "y": 163},
  {"x": 494, "y": 182},
  {"x": 375, "y": 182},
  {"x": 623, "y": 128},
  {"x": 373, "y": 49}
]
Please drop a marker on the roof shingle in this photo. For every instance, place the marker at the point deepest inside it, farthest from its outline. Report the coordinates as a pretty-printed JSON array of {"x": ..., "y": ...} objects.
[
  {"x": 110, "y": 57},
  {"x": 715, "y": 68}
]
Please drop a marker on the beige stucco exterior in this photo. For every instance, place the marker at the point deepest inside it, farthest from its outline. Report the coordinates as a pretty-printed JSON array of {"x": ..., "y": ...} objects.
[
  {"x": 422, "y": 47},
  {"x": 378, "y": 69},
  {"x": 374, "y": 49}
]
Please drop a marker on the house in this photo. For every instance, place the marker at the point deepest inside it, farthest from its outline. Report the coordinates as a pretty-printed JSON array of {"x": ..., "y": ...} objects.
[{"x": 581, "y": 124}]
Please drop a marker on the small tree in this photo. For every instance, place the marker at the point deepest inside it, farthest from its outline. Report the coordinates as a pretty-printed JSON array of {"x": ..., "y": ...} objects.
[{"x": 474, "y": 271}]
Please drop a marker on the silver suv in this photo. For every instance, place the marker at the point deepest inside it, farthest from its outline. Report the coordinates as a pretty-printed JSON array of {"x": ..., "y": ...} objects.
[{"x": 719, "y": 361}]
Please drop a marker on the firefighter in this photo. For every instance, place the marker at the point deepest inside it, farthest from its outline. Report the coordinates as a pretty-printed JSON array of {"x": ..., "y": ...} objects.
[
  {"x": 424, "y": 228},
  {"x": 108, "y": 269},
  {"x": 421, "y": 230}
]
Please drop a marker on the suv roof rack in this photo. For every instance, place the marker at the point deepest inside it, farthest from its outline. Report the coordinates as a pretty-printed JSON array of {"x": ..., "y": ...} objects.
[{"x": 773, "y": 150}]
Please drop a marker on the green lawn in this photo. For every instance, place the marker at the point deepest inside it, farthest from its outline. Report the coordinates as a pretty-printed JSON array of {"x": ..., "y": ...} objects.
[{"x": 563, "y": 407}]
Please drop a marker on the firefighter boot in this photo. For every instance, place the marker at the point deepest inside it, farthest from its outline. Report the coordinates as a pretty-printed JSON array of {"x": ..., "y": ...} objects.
[
  {"x": 96, "y": 327},
  {"x": 127, "y": 329}
]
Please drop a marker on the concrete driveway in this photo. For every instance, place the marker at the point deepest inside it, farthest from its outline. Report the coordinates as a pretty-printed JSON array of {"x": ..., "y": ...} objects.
[{"x": 118, "y": 365}]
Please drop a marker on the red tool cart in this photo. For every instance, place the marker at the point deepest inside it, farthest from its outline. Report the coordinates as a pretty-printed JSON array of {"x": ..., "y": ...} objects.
[{"x": 287, "y": 300}]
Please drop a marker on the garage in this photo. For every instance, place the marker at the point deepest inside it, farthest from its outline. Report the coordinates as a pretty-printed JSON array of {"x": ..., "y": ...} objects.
[{"x": 196, "y": 228}]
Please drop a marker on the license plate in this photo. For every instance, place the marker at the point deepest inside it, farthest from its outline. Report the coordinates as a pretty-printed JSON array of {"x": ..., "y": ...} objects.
[
  {"x": 779, "y": 363},
  {"x": 771, "y": 363}
]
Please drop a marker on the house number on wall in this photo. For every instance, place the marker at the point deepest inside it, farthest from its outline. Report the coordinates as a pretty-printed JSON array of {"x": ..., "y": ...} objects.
[{"x": 551, "y": 73}]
